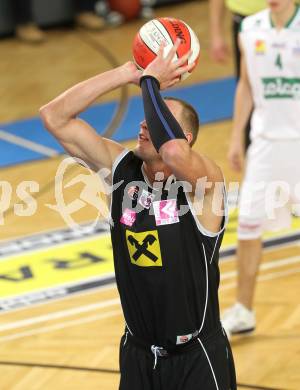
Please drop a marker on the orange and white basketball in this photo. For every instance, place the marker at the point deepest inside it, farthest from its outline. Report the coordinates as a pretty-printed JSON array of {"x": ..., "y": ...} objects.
[{"x": 164, "y": 30}]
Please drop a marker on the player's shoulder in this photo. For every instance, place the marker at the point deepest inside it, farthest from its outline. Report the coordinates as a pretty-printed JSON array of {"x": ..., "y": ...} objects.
[
  {"x": 126, "y": 164},
  {"x": 256, "y": 22},
  {"x": 294, "y": 22}
]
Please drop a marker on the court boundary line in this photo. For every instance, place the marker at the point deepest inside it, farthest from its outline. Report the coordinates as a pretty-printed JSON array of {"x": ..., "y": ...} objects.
[
  {"x": 27, "y": 144},
  {"x": 269, "y": 243},
  {"x": 61, "y": 325},
  {"x": 111, "y": 302},
  {"x": 60, "y": 367},
  {"x": 60, "y": 314},
  {"x": 111, "y": 284},
  {"x": 266, "y": 266},
  {"x": 58, "y": 230},
  {"x": 107, "y": 277},
  {"x": 264, "y": 278},
  {"x": 84, "y": 238},
  {"x": 62, "y": 298}
]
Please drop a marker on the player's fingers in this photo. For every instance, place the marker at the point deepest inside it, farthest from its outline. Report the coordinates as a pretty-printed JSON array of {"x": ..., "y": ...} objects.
[
  {"x": 173, "y": 82},
  {"x": 161, "y": 50},
  {"x": 183, "y": 69},
  {"x": 182, "y": 60},
  {"x": 173, "y": 50},
  {"x": 191, "y": 66}
]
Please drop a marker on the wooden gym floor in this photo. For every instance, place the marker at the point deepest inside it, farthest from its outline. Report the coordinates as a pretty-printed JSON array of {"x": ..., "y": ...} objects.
[{"x": 72, "y": 343}]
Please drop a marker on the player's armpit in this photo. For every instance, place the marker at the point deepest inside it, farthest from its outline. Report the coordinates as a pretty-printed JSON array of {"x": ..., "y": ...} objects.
[{"x": 211, "y": 210}]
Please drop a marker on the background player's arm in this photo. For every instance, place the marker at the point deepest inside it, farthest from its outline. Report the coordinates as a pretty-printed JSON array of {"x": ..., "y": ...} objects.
[
  {"x": 77, "y": 137},
  {"x": 242, "y": 109},
  {"x": 218, "y": 48}
]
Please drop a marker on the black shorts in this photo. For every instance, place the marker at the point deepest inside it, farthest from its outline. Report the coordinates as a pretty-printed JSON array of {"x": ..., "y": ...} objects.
[{"x": 207, "y": 365}]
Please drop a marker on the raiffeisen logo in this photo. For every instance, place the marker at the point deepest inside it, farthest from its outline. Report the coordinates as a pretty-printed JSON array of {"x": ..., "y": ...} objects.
[{"x": 281, "y": 88}]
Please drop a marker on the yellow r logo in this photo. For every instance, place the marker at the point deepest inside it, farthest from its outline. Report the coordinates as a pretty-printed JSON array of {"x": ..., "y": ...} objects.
[{"x": 144, "y": 248}]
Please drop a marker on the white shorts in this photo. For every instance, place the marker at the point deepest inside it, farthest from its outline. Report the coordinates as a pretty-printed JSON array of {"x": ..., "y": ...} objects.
[{"x": 271, "y": 187}]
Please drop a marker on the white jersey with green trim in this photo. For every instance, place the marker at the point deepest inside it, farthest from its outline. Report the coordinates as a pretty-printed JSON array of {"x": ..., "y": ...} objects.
[{"x": 273, "y": 64}]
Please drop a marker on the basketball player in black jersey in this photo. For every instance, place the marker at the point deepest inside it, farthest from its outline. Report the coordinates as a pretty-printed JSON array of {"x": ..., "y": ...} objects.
[{"x": 166, "y": 255}]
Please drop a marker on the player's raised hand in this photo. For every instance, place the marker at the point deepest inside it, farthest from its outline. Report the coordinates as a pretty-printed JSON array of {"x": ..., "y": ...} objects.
[
  {"x": 167, "y": 71},
  {"x": 132, "y": 73}
]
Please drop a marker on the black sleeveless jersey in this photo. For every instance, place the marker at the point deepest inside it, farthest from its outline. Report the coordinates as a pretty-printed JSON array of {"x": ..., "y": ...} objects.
[{"x": 166, "y": 263}]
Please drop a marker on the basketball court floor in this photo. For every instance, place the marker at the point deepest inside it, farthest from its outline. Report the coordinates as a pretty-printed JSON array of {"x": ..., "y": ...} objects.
[{"x": 60, "y": 317}]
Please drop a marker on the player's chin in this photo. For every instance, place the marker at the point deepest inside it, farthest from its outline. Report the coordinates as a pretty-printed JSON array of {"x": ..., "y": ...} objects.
[
  {"x": 139, "y": 151},
  {"x": 274, "y": 6},
  {"x": 144, "y": 153}
]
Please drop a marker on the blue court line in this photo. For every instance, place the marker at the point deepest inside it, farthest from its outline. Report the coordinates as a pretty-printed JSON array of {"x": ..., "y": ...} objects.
[{"x": 213, "y": 100}]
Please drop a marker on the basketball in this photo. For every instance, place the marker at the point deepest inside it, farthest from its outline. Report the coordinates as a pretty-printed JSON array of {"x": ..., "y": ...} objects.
[{"x": 164, "y": 30}]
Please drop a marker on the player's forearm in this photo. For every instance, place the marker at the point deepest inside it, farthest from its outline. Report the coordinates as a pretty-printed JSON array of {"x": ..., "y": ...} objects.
[
  {"x": 76, "y": 99},
  {"x": 242, "y": 110},
  {"x": 216, "y": 17},
  {"x": 161, "y": 123}
]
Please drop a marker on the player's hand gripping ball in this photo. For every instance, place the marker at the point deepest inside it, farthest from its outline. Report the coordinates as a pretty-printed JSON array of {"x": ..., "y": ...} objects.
[{"x": 165, "y": 30}]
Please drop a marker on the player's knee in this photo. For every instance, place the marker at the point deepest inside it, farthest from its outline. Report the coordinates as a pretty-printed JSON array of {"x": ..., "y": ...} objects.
[{"x": 249, "y": 229}]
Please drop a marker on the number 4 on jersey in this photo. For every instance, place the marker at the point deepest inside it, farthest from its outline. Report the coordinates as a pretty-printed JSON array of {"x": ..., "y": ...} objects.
[{"x": 278, "y": 61}]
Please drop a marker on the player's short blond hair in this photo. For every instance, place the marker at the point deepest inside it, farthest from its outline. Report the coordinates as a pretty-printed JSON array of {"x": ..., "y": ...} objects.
[{"x": 190, "y": 117}]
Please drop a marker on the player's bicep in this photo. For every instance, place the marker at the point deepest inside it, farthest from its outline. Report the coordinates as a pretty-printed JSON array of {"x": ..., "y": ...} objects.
[
  {"x": 206, "y": 191},
  {"x": 188, "y": 165},
  {"x": 80, "y": 140}
]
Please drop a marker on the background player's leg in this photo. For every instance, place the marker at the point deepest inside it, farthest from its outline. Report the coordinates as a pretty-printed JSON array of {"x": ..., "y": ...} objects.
[
  {"x": 252, "y": 219},
  {"x": 240, "y": 318},
  {"x": 86, "y": 16},
  {"x": 26, "y": 29},
  {"x": 249, "y": 256}
]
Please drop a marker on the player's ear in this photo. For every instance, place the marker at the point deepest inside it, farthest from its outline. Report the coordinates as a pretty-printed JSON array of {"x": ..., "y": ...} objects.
[{"x": 189, "y": 136}]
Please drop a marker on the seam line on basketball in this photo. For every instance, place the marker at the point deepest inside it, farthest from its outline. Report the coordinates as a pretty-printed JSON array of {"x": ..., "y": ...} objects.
[
  {"x": 145, "y": 43},
  {"x": 177, "y": 54},
  {"x": 161, "y": 33}
]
